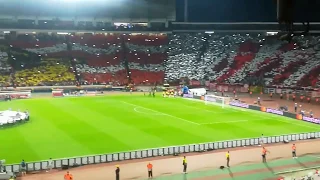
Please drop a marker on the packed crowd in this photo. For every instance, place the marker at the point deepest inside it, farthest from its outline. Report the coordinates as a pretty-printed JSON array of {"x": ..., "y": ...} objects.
[
  {"x": 5, "y": 69},
  {"x": 237, "y": 58},
  {"x": 51, "y": 59}
]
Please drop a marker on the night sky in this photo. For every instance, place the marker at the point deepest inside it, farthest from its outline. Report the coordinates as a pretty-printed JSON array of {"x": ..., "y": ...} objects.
[{"x": 244, "y": 10}]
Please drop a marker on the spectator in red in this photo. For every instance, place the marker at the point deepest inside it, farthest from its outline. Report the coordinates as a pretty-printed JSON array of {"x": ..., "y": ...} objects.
[
  {"x": 301, "y": 98},
  {"x": 308, "y": 99}
]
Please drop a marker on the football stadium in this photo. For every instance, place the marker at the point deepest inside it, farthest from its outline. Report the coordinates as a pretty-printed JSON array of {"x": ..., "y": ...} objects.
[{"x": 163, "y": 89}]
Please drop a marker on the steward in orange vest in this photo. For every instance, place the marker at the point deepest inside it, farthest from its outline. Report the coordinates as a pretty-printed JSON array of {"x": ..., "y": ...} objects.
[{"x": 149, "y": 166}]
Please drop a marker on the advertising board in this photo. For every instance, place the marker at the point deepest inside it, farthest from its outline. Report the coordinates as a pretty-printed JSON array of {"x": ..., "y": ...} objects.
[
  {"x": 188, "y": 95},
  {"x": 239, "y": 104}
]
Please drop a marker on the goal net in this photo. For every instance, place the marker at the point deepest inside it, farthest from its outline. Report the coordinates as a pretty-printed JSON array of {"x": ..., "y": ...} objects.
[{"x": 216, "y": 100}]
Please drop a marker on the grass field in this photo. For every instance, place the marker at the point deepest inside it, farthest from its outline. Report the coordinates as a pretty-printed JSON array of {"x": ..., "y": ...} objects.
[{"x": 67, "y": 127}]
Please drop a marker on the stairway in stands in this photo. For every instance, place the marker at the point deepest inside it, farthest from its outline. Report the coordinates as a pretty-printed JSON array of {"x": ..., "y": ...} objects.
[
  {"x": 72, "y": 61},
  {"x": 125, "y": 61}
]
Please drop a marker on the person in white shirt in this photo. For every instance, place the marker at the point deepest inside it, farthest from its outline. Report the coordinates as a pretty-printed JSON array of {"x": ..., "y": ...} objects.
[
  {"x": 50, "y": 165},
  {"x": 261, "y": 140}
]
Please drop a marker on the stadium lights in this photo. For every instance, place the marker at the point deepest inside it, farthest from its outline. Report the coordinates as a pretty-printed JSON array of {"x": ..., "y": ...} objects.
[{"x": 209, "y": 32}]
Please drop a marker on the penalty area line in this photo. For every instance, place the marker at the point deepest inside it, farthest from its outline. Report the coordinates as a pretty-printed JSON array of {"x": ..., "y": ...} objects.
[{"x": 161, "y": 113}]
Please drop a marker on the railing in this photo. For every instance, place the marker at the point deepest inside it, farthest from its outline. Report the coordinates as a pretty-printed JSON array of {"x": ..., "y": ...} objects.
[{"x": 163, "y": 151}]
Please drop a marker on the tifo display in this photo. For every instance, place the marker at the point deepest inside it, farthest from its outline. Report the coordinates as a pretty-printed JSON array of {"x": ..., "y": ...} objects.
[{"x": 10, "y": 117}]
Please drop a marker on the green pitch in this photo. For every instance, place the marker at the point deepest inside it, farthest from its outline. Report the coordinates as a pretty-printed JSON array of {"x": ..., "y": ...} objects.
[{"x": 68, "y": 127}]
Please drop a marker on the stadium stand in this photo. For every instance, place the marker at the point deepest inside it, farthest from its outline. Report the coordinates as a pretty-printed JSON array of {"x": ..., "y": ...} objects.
[
  {"x": 146, "y": 55},
  {"x": 99, "y": 59},
  {"x": 87, "y": 58},
  {"x": 237, "y": 58},
  {"x": 40, "y": 59},
  {"x": 5, "y": 69}
]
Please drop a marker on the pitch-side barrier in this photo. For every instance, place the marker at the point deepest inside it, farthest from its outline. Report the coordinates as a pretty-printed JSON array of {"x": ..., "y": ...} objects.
[{"x": 162, "y": 151}]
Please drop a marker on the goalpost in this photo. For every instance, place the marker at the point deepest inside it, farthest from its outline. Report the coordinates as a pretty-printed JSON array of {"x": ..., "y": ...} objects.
[{"x": 216, "y": 100}]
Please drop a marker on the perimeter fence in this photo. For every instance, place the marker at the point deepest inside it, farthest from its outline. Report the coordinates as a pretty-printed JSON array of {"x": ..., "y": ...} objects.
[{"x": 162, "y": 151}]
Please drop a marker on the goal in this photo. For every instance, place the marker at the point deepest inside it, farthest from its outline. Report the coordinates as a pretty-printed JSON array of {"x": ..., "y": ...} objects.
[{"x": 216, "y": 100}]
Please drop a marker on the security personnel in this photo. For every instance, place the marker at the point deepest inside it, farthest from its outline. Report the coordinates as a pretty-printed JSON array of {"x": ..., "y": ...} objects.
[
  {"x": 184, "y": 164},
  {"x": 149, "y": 167},
  {"x": 68, "y": 176},
  {"x": 294, "y": 155},
  {"x": 117, "y": 172},
  {"x": 228, "y": 158},
  {"x": 264, "y": 154}
]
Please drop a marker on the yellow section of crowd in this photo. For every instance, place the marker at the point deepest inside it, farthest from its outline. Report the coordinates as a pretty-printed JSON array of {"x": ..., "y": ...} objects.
[
  {"x": 44, "y": 74},
  {"x": 4, "y": 80}
]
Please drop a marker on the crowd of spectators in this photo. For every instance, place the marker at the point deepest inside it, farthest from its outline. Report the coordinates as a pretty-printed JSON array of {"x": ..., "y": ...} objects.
[
  {"x": 5, "y": 69},
  {"x": 152, "y": 58},
  {"x": 243, "y": 58}
]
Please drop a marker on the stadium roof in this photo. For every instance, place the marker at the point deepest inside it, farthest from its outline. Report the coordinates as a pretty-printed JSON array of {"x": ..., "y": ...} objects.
[{"x": 90, "y": 8}]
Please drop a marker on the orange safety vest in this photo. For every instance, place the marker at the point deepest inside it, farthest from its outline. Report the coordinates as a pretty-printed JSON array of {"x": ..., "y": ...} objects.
[
  {"x": 68, "y": 176},
  {"x": 149, "y": 166},
  {"x": 264, "y": 151}
]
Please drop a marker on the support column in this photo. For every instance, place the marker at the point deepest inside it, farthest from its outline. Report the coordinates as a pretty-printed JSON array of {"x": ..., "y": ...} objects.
[{"x": 186, "y": 10}]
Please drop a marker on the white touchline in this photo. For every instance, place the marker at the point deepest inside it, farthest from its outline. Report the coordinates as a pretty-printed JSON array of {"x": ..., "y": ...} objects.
[
  {"x": 165, "y": 114},
  {"x": 224, "y": 122}
]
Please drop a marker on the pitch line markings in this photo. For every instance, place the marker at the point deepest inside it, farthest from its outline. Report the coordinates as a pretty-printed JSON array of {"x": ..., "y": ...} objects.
[
  {"x": 136, "y": 109},
  {"x": 161, "y": 113}
]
